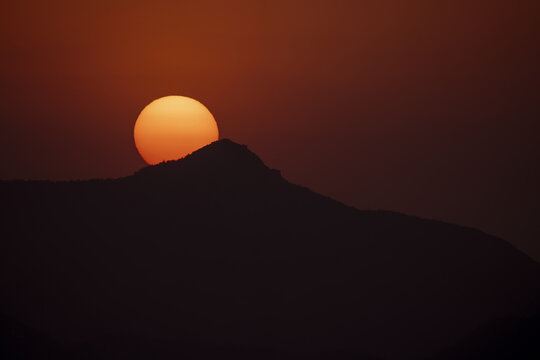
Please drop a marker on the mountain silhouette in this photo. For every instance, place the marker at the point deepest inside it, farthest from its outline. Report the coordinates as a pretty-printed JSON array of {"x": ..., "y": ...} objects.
[{"x": 217, "y": 255}]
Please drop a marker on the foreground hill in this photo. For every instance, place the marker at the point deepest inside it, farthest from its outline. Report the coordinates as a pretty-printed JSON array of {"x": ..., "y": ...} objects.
[{"x": 216, "y": 255}]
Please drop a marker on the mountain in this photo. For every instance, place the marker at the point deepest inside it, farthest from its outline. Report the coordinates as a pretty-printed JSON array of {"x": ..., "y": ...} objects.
[
  {"x": 216, "y": 255},
  {"x": 512, "y": 338}
]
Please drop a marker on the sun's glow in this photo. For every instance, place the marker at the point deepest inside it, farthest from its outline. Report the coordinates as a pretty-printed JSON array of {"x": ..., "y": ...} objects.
[{"x": 171, "y": 127}]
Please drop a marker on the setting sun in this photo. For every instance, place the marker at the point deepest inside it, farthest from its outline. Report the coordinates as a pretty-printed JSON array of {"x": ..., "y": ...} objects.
[{"x": 171, "y": 127}]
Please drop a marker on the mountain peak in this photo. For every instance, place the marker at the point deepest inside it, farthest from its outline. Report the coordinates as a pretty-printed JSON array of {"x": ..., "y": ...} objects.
[
  {"x": 223, "y": 143},
  {"x": 224, "y": 148},
  {"x": 223, "y": 156}
]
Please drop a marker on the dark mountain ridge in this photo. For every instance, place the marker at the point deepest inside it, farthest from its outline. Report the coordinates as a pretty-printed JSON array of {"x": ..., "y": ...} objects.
[{"x": 217, "y": 249}]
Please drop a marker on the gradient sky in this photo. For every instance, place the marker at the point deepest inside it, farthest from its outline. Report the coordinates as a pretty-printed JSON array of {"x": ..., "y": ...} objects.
[{"x": 430, "y": 108}]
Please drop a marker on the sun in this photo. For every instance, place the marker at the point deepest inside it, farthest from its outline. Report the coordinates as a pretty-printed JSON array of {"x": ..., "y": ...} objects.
[{"x": 171, "y": 127}]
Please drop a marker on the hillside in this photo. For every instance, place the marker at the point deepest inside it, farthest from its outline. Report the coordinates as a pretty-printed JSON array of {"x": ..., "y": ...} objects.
[{"x": 218, "y": 254}]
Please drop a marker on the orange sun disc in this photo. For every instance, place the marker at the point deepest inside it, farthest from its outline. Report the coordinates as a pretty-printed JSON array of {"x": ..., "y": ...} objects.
[{"x": 172, "y": 127}]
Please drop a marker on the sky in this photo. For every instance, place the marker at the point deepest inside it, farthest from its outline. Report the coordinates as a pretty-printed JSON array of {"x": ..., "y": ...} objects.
[{"x": 430, "y": 108}]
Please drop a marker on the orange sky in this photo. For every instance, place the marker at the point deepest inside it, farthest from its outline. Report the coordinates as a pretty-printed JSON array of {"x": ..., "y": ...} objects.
[{"x": 426, "y": 107}]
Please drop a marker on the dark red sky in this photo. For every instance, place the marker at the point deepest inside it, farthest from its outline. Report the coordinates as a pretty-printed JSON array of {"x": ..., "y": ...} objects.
[{"x": 431, "y": 108}]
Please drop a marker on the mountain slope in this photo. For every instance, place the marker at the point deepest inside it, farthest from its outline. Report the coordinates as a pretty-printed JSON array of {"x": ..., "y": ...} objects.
[{"x": 217, "y": 248}]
